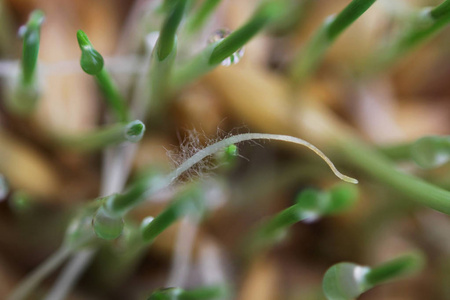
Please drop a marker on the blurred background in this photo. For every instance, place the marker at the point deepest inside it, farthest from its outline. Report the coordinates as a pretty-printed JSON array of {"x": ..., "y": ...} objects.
[{"x": 384, "y": 107}]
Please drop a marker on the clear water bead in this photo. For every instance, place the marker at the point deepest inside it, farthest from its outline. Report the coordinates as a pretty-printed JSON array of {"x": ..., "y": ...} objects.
[
  {"x": 431, "y": 151},
  {"x": 218, "y": 36},
  {"x": 106, "y": 226},
  {"x": 345, "y": 281}
]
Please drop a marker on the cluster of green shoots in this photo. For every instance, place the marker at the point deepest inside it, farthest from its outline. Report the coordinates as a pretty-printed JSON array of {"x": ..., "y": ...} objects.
[{"x": 102, "y": 219}]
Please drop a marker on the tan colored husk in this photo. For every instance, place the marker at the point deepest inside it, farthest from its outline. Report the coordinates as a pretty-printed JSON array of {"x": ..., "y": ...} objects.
[{"x": 26, "y": 168}]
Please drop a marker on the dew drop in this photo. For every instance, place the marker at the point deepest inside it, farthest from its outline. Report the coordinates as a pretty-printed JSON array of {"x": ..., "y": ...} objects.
[
  {"x": 431, "y": 151},
  {"x": 218, "y": 36},
  {"x": 345, "y": 281},
  {"x": 310, "y": 217},
  {"x": 146, "y": 222},
  {"x": 106, "y": 226},
  {"x": 311, "y": 203}
]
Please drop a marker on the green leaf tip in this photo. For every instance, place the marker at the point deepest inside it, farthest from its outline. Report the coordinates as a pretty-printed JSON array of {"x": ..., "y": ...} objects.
[
  {"x": 236, "y": 40},
  {"x": 167, "y": 37},
  {"x": 30, "y": 33},
  {"x": 37, "y": 17},
  {"x": 91, "y": 61},
  {"x": 134, "y": 131},
  {"x": 189, "y": 201}
]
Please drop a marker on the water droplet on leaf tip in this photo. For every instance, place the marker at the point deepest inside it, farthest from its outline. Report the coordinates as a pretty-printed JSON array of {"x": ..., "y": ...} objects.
[
  {"x": 106, "y": 226},
  {"x": 218, "y": 36}
]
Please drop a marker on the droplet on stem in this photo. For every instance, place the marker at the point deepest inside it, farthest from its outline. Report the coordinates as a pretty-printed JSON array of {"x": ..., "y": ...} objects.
[
  {"x": 431, "y": 151},
  {"x": 218, "y": 36},
  {"x": 345, "y": 281},
  {"x": 106, "y": 226}
]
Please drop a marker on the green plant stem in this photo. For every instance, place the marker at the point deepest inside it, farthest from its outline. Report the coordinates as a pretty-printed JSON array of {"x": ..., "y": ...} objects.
[
  {"x": 167, "y": 37},
  {"x": 162, "y": 60},
  {"x": 423, "y": 26},
  {"x": 307, "y": 60},
  {"x": 93, "y": 64},
  {"x": 281, "y": 221},
  {"x": 112, "y": 95},
  {"x": 380, "y": 168},
  {"x": 122, "y": 203},
  {"x": 393, "y": 269},
  {"x": 188, "y": 202},
  {"x": 111, "y": 135},
  {"x": 204, "y": 293},
  {"x": 31, "y": 40},
  {"x": 25, "y": 91},
  {"x": 160, "y": 73},
  {"x": 215, "y": 53},
  {"x": 398, "y": 152},
  {"x": 201, "y": 15},
  {"x": 39, "y": 274},
  {"x": 293, "y": 17}
]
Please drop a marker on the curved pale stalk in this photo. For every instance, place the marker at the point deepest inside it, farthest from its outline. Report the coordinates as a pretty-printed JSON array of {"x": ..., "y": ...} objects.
[
  {"x": 120, "y": 204},
  {"x": 39, "y": 274},
  {"x": 72, "y": 271},
  {"x": 210, "y": 150}
]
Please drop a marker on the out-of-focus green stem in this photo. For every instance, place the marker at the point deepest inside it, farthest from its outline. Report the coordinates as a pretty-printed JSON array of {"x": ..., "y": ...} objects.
[
  {"x": 394, "y": 268},
  {"x": 167, "y": 37},
  {"x": 163, "y": 58},
  {"x": 204, "y": 293},
  {"x": 25, "y": 92},
  {"x": 31, "y": 38},
  {"x": 380, "y": 168},
  {"x": 307, "y": 60},
  {"x": 215, "y": 53},
  {"x": 293, "y": 17},
  {"x": 93, "y": 64},
  {"x": 112, "y": 135},
  {"x": 112, "y": 95},
  {"x": 189, "y": 201},
  {"x": 398, "y": 152},
  {"x": 427, "y": 22},
  {"x": 201, "y": 15}
]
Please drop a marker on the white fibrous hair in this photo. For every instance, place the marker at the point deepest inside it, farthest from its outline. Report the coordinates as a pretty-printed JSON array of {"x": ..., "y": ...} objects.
[{"x": 194, "y": 160}]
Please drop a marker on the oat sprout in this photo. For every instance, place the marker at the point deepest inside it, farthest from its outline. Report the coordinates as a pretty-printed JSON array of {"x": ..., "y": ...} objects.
[{"x": 121, "y": 203}]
